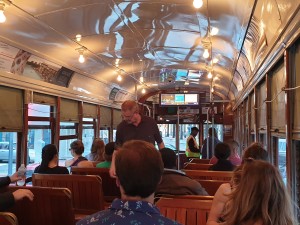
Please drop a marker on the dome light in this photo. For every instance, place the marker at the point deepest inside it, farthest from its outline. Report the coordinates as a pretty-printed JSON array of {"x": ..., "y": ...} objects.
[
  {"x": 119, "y": 78},
  {"x": 143, "y": 91},
  {"x": 197, "y": 4}
]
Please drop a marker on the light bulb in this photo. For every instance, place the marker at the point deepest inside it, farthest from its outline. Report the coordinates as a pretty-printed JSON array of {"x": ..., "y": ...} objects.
[
  {"x": 78, "y": 37},
  {"x": 143, "y": 91},
  {"x": 198, "y": 4},
  {"x": 81, "y": 58},
  {"x": 212, "y": 90},
  {"x": 141, "y": 79},
  {"x": 119, "y": 78},
  {"x": 214, "y": 31},
  {"x": 2, "y": 16},
  {"x": 209, "y": 75},
  {"x": 215, "y": 60},
  {"x": 206, "y": 53}
]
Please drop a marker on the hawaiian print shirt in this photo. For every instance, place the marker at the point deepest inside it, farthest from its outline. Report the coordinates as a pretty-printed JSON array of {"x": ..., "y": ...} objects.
[{"x": 128, "y": 212}]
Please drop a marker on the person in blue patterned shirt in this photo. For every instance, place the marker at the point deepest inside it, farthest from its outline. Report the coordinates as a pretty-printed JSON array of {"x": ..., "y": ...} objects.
[{"x": 139, "y": 169}]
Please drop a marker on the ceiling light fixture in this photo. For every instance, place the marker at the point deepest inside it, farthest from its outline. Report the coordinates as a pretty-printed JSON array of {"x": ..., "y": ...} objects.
[
  {"x": 212, "y": 89},
  {"x": 206, "y": 53},
  {"x": 198, "y": 3},
  {"x": 214, "y": 31},
  {"x": 119, "y": 78},
  {"x": 143, "y": 91},
  {"x": 215, "y": 60},
  {"x": 141, "y": 79},
  {"x": 209, "y": 75},
  {"x": 3, "y": 3},
  {"x": 78, "y": 37}
]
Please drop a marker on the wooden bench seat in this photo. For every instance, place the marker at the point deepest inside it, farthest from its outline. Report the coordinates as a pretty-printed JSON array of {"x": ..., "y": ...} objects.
[
  {"x": 197, "y": 166},
  {"x": 87, "y": 194},
  {"x": 110, "y": 189},
  {"x": 209, "y": 175},
  {"x": 51, "y": 206},
  {"x": 186, "y": 211},
  {"x": 211, "y": 186},
  {"x": 202, "y": 161}
]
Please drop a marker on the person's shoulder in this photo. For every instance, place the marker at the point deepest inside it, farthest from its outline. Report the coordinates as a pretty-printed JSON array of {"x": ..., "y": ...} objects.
[
  {"x": 95, "y": 219},
  {"x": 167, "y": 221}
]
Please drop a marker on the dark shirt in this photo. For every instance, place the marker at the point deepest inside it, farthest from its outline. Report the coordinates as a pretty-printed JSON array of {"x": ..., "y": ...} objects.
[
  {"x": 6, "y": 199},
  {"x": 54, "y": 170},
  {"x": 222, "y": 165},
  {"x": 210, "y": 140},
  {"x": 192, "y": 147},
  {"x": 80, "y": 158},
  {"x": 147, "y": 130},
  {"x": 128, "y": 212},
  {"x": 175, "y": 182}
]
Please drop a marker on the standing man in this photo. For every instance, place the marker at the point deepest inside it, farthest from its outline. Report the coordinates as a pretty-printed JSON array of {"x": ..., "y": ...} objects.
[
  {"x": 137, "y": 127},
  {"x": 192, "y": 147}
]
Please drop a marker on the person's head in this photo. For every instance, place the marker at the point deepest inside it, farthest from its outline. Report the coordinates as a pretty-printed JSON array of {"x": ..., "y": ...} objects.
[
  {"x": 130, "y": 112},
  {"x": 49, "y": 153},
  {"x": 109, "y": 150},
  {"x": 260, "y": 196},
  {"x": 168, "y": 157},
  {"x": 98, "y": 148},
  {"x": 255, "y": 151},
  {"x": 139, "y": 168},
  {"x": 222, "y": 151},
  {"x": 234, "y": 146},
  {"x": 212, "y": 131},
  {"x": 194, "y": 131},
  {"x": 77, "y": 147}
]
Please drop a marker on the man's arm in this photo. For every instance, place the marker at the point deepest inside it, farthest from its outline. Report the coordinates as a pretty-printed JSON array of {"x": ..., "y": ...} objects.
[{"x": 161, "y": 145}]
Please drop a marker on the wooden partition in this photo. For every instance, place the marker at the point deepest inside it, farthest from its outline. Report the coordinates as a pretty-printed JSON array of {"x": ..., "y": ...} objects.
[
  {"x": 51, "y": 206},
  {"x": 211, "y": 186},
  {"x": 87, "y": 194},
  {"x": 110, "y": 189},
  {"x": 209, "y": 175},
  {"x": 185, "y": 211}
]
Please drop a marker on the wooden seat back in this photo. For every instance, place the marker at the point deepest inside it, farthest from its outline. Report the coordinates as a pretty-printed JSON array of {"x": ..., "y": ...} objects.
[
  {"x": 86, "y": 191},
  {"x": 202, "y": 161},
  {"x": 8, "y": 218},
  {"x": 197, "y": 166},
  {"x": 110, "y": 188},
  {"x": 51, "y": 206},
  {"x": 209, "y": 175},
  {"x": 185, "y": 210},
  {"x": 211, "y": 186}
]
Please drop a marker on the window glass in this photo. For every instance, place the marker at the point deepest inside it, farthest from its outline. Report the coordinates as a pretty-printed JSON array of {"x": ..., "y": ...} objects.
[
  {"x": 88, "y": 119},
  {"x": 114, "y": 134},
  {"x": 67, "y": 128},
  {"x": 104, "y": 135},
  {"x": 87, "y": 137},
  {"x": 282, "y": 158},
  {"x": 8, "y": 143},
  {"x": 64, "y": 152},
  {"x": 168, "y": 135},
  {"x": 38, "y": 110},
  {"x": 184, "y": 133}
]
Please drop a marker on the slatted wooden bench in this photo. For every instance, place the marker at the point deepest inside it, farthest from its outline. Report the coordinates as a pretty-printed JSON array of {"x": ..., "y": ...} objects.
[
  {"x": 8, "y": 218},
  {"x": 110, "y": 189},
  {"x": 202, "y": 161},
  {"x": 186, "y": 211},
  {"x": 211, "y": 186},
  {"x": 51, "y": 206},
  {"x": 197, "y": 166},
  {"x": 209, "y": 175},
  {"x": 87, "y": 194}
]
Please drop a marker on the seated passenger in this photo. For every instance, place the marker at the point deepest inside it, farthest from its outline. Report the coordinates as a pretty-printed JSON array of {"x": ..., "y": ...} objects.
[
  {"x": 8, "y": 199},
  {"x": 211, "y": 140},
  {"x": 77, "y": 148},
  {"x": 97, "y": 151},
  {"x": 175, "y": 182},
  {"x": 261, "y": 198},
  {"x": 109, "y": 150},
  {"x": 234, "y": 157},
  {"x": 222, "y": 153},
  {"x": 138, "y": 171},
  {"x": 254, "y": 151},
  {"x": 49, "y": 164}
]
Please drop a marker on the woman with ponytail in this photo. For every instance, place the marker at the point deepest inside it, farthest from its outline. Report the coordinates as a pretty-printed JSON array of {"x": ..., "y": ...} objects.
[{"x": 49, "y": 164}]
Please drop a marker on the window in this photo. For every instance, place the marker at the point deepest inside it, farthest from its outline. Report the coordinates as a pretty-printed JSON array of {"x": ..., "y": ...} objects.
[
  {"x": 104, "y": 134},
  {"x": 87, "y": 134},
  {"x": 282, "y": 158},
  {"x": 218, "y": 127},
  {"x": 8, "y": 144}
]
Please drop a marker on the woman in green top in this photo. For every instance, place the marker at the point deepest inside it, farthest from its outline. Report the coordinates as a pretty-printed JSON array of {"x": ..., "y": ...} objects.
[{"x": 109, "y": 149}]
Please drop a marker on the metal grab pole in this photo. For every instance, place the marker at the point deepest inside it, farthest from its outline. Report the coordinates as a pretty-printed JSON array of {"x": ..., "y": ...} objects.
[
  {"x": 177, "y": 139},
  {"x": 207, "y": 142}
]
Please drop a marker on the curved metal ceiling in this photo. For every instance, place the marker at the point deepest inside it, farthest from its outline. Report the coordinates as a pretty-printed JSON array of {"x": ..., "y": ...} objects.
[{"x": 163, "y": 41}]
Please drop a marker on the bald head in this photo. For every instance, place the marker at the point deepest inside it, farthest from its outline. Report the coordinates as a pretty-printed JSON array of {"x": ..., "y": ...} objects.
[
  {"x": 130, "y": 105},
  {"x": 139, "y": 168}
]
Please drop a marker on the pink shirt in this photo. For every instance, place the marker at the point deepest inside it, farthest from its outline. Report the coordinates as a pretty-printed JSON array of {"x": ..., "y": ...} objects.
[{"x": 234, "y": 159}]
